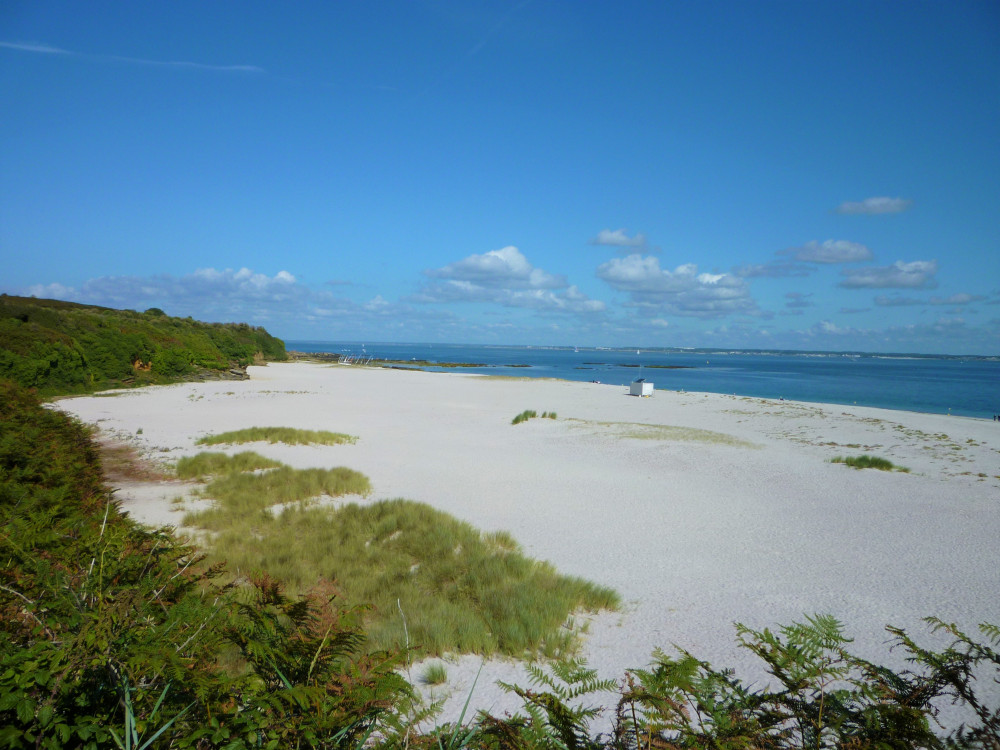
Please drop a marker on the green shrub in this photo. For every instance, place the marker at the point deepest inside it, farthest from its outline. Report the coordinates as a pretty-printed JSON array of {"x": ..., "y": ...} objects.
[
  {"x": 172, "y": 362},
  {"x": 111, "y": 634},
  {"x": 524, "y": 416},
  {"x": 822, "y": 697},
  {"x": 62, "y": 347}
]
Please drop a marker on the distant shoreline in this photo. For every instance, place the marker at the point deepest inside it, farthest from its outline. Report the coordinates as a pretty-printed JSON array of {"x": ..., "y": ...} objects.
[{"x": 929, "y": 385}]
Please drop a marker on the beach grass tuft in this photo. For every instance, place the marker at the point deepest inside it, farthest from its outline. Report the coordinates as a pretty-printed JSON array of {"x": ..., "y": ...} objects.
[
  {"x": 209, "y": 464},
  {"x": 287, "y": 435},
  {"x": 641, "y": 431},
  {"x": 866, "y": 461},
  {"x": 462, "y": 590},
  {"x": 434, "y": 674},
  {"x": 527, "y": 414}
]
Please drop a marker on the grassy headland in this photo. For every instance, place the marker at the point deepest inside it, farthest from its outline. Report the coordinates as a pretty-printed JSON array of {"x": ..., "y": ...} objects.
[{"x": 65, "y": 348}]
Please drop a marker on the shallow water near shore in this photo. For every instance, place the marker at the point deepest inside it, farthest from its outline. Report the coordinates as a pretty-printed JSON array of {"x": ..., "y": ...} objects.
[{"x": 962, "y": 386}]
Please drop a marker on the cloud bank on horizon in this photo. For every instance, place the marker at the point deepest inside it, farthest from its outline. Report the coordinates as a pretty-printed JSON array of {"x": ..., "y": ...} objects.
[{"x": 375, "y": 179}]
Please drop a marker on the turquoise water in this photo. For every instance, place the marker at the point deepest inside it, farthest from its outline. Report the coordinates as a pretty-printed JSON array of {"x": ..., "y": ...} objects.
[{"x": 964, "y": 386}]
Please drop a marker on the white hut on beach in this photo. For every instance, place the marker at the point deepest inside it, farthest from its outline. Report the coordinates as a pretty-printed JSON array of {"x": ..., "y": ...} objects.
[{"x": 641, "y": 387}]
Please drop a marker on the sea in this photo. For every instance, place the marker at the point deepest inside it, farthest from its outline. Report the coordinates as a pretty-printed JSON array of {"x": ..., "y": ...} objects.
[{"x": 962, "y": 386}]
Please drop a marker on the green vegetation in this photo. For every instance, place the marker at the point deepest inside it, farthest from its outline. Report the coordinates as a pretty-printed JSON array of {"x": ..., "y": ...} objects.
[
  {"x": 459, "y": 590},
  {"x": 62, "y": 347},
  {"x": 868, "y": 462},
  {"x": 822, "y": 696},
  {"x": 245, "y": 500},
  {"x": 287, "y": 435},
  {"x": 209, "y": 464},
  {"x": 434, "y": 674},
  {"x": 641, "y": 431},
  {"x": 527, "y": 414},
  {"x": 114, "y": 635},
  {"x": 109, "y": 631}
]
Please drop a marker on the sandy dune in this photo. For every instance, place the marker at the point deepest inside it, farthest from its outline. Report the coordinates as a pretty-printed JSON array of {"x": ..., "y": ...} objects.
[{"x": 700, "y": 509}]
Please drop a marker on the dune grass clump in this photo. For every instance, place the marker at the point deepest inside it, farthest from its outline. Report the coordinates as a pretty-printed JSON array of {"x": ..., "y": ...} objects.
[
  {"x": 460, "y": 590},
  {"x": 527, "y": 414},
  {"x": 641, "y": 431},
  {"x": 868, "y": 462},
  {"x": 208, "y": 464},
  {"x": 435, "y": 674},
  {"x": 524, "y": 416},
  {"x": 287, "y": 435}
]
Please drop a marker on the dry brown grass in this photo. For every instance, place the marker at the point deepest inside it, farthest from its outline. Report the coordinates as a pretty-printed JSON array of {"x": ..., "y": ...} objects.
[{"x": 122, "y": 462}]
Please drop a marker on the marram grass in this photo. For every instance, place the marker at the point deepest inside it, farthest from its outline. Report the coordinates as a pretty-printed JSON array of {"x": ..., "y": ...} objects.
[
  {"x": 868, "y": 462},
  {"x": 288, "y": 435},
  {"x": 641, "y": 431},
  {"x": 460, "y": 590},
  {"x": 435, "y": 674},
  {"x": 527, "y": 414},
  {"x": 207, "y": 464}
]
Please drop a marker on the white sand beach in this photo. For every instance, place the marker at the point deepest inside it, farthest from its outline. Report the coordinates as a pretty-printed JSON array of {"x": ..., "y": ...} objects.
[{"x": 700, "y": 509}]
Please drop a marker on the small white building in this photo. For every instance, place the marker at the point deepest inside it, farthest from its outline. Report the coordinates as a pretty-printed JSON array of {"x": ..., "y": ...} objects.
[{"x": 641, "y": 387}]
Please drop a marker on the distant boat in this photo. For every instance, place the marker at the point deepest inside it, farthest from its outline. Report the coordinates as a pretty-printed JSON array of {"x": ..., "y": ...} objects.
[
  {"x": 637, "y": 351},
  {"x": 576, "y": 349}
]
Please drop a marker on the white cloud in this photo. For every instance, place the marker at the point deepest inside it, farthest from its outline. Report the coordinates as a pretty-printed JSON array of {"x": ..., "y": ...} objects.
[
  {"x": 47, "y": 49},
  {"x": 681, "y": 292},
  {"x": 918, "y": 274},
  {"x": 207, "y": 292},
  {"x": 830, "y": 251},
  {"x": 883, "y": 301},
  {"x": 618, "y": 238},
  {"x": 798, "y": 300},
  {"x": 774, "y": 269},
  {"x": 506, "y": 268},
  {"x": 957, "y": 299},
  {"x": 879, "y": 205},
  {"x": 505, "y": 277},
  {"x": 54, "y": 290},
  {"x": 570, "y": 300}
]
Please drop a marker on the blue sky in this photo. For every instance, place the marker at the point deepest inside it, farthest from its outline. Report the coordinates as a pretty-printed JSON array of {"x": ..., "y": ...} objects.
[{"x": 800, "y": 175}]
